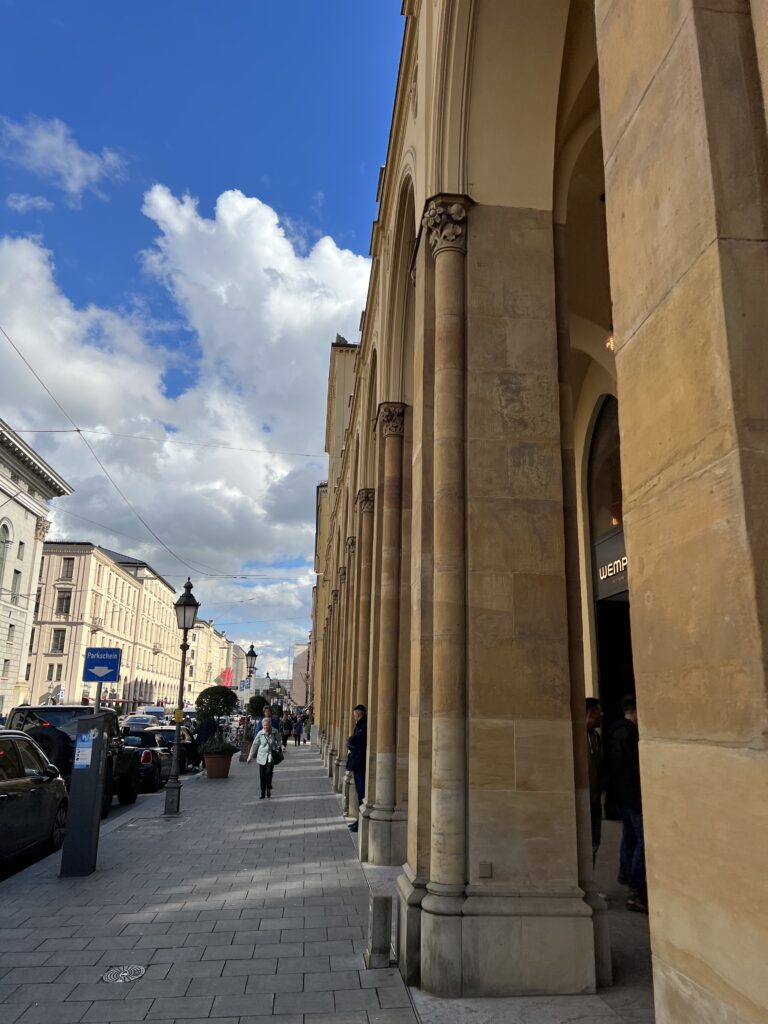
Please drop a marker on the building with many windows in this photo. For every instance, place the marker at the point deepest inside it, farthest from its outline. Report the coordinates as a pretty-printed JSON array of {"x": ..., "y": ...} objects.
[
  {"x": 27, "y": 483},
  {"x": 89, "y": 596},
  {"x": 208, "y": 659}
]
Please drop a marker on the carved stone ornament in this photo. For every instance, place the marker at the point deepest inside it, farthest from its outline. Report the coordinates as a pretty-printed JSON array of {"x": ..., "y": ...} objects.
[
  {"x": 444, "y": 222},
  {"x": 351, "y": 545},
  {"x": 334, "y": 596},
  {"x": 391, "y": 419},
  {"x": 364, "y": 499},
  {"x": 41, "y": 529},
  {"x": 342, "y": 573}
]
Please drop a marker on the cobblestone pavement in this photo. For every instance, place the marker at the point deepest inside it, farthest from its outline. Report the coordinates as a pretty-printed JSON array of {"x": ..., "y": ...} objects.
[{"x": 239, "y": 909}]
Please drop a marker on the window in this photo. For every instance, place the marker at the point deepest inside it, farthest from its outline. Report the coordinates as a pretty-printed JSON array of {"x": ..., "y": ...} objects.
[
  {"x": 10, "y": 765},
  {"x": 59, "y": 670},
  {"x": 31, "y": 761},
  {"x": 20, "y": 551},
  {"x": 63, "y": 602},
  {"x": 15, "y": 586},
  {"x": 42, "y": 564},
  {"x": 57, "y": 641},
  {"x": 28, "y": 671},
  {"x": 67, "y": 568},
  {"x": 31, "y": 640},
  {"x": 37, "y": 601},
  {"x": 5, "y": 540},
  {"x": 11, "y": 634},
  {"x": 49, "y": 675},
  {"x": 6, "y": 667},
  {"x": 191, "y": 671}
]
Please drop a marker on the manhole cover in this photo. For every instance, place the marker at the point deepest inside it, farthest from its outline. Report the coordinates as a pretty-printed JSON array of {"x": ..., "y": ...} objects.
[{"x": 128, "y": 972}]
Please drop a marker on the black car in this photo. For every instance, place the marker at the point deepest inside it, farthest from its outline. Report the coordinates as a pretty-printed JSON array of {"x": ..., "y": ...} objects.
[
  {"x": 154, "y": 759},
  {"x": 54, "y": 729},
  {"x": 33, "y": 797},
  {"x": 188, "y": 755}
]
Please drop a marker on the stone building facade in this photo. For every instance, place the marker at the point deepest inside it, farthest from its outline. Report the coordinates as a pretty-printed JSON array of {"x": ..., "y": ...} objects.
[
  {"x": 548, "y": 479},
  {"x": 27, "y": 483},
  {"x": 88, "y": 596}
]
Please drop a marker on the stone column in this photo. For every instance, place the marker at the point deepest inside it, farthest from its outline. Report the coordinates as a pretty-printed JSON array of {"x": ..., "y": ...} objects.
[
  {"x": 386, "y": 836},
  {"x": 350, "y": 652},
  {"x": 686, "y": 175},
  {"x": 331, "y": 749},
  {"x": 364, "y": 502},
  {"x": 341, "y": 714},
  {"x": 441, "y": 940}
]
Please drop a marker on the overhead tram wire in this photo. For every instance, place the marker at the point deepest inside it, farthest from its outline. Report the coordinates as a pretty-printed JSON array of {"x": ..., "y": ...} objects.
[
  {"x": 101, "y": 465},
  {"x": 171, "y": 440}
]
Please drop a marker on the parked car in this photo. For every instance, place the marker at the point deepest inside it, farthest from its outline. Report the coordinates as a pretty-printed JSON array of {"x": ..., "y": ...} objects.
[
  {"x": 189, "y": 757},
  {"x": 154, "y": 758},
  {"x": 135, "y": 723},
  {"x": 33, "y": 797},
  {"x": 54, "y": 729}
]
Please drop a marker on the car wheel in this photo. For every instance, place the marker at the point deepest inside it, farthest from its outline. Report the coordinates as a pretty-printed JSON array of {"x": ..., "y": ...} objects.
[
  {"x": 58, "y": 829},
  {"x": 129, "y": 790},
  {"x": 106, "y": 796}
]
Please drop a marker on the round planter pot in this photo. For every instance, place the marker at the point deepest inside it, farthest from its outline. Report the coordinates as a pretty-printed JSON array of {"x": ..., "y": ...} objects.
[{"x": 217, "y": 765}]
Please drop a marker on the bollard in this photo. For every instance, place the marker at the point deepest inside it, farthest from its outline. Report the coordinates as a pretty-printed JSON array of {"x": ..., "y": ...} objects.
[{"x": 379, "y": 931}]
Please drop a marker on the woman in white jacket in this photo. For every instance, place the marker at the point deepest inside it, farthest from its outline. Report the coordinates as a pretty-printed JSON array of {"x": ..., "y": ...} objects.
[{"x": 266, "y": 743}]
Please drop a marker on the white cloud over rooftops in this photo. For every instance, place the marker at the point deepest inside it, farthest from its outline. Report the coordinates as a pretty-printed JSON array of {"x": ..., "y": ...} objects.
[
  {"x": 263, "y": 315},
  {"x": 47, "y": 148}
]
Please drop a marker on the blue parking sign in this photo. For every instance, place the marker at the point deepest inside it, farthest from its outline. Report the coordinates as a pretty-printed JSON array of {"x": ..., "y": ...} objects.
[{"x": 102, "y": 664}]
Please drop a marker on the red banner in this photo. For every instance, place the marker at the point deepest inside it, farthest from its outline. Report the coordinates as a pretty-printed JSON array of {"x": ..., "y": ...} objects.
[{"x": 225, "y": 679}]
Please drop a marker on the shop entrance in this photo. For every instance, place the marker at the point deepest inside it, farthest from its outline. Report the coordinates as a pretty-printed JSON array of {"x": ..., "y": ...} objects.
[{"x": 615, "y": 675}]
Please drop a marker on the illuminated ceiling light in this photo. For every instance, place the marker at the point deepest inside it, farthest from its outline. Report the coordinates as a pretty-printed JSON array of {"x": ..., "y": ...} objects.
[{"x": 610, "y": 343}]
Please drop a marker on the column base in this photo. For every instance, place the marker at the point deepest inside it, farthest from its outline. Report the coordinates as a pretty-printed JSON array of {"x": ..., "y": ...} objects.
[
  {"x": 339, "y": 767},
  {"x": 410, "y": 892},
  {"x": 387, "y": 836},
  {"x": 330, "y": 758},
  {"x": 351, "y": 806},
  {"x": 495, "y": 945},
  {"x": 363, "y": 832},
  {"x": 602, "y": 934}
]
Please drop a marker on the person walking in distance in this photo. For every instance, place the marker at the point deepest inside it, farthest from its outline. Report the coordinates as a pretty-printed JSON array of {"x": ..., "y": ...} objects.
[
  {"x": 357, "y": 745},
  {"x": 595, "y": 768},
  {"x": 266, "y": 743},
  {"x": 623, "y": 755},
  {"x": 307, "y": 727},
  {"x": 297, "y": 731}
]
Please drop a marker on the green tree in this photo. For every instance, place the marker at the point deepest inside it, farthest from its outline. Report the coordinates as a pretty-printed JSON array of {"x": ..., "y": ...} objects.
[
  {"x": 256, "y": 705},
  {"x": 215, "y": 701}
]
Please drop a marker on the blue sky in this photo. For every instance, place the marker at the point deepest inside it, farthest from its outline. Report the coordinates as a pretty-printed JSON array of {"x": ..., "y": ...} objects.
[{"x": 152, "y": 315}]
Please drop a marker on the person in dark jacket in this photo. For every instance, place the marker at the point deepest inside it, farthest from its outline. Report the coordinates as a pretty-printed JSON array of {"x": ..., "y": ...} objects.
[
  {"x": 206, "y": 729},
  {"x": 357, "y": 745},
  {"x": 622, "y": 749},
  {"x": 595, "y": 768}
]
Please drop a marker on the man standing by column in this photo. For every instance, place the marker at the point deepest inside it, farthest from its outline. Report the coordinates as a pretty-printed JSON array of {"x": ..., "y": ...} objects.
[
  {"x": 357, "y": 744},
  {"x": 624, "y": 787}
]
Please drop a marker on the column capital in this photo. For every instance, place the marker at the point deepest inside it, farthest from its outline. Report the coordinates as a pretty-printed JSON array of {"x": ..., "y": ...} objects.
[
  {"x": 364, "y": 499},
  {"x": 41, "y": 529},
  {"x": 444, "y": 220},
  {"x": 391, "y": 419},
  {"x": 351, "y": 545}
]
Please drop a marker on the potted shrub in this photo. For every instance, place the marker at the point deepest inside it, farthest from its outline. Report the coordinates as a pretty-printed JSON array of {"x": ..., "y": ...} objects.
[{"x": 218, "y": 753}]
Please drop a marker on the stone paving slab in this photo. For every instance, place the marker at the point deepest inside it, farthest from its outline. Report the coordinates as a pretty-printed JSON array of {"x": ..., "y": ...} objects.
[{"x": 239, "y": 910}]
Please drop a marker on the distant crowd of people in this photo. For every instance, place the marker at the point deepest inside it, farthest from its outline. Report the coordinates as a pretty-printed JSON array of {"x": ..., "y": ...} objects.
[{"x": 614, "y": 774}]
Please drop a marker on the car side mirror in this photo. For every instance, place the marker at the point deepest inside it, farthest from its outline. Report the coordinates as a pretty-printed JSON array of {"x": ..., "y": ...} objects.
[{"x": 50, "y": 772}]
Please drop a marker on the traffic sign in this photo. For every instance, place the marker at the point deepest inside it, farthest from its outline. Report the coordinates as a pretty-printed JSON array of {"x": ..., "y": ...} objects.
[{"x": 102, "y": 664}]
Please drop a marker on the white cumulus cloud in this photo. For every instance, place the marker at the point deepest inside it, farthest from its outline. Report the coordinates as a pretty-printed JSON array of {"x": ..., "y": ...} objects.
[
  {"x": 21, "y": 202},
  {"x": 48, "y": 149},
  {"x": 262, "y": 315}
]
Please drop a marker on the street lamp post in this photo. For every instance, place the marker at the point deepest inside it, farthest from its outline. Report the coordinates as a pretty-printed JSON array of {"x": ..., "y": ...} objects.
[
  {"x": 186, "y": 613},
  {"x": 250, "y": 664}
]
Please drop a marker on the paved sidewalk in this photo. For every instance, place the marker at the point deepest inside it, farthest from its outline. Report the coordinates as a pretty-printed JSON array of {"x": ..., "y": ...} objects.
[{"x": 238, "y": 909}]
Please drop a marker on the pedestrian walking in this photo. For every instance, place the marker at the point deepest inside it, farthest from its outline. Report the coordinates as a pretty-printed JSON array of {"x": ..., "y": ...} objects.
[
  {"x": 287, "y": 729},
  {"x": 623, "y": 762},
  {"x": 265, "y": 748},
  {"x": 357, "y": 745},
  {"x": 205, "y": 731},
  {"x": 595, "y": 768},
  {"x": 297, "y": 731},
  {"x": 307, "y": 727}
]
